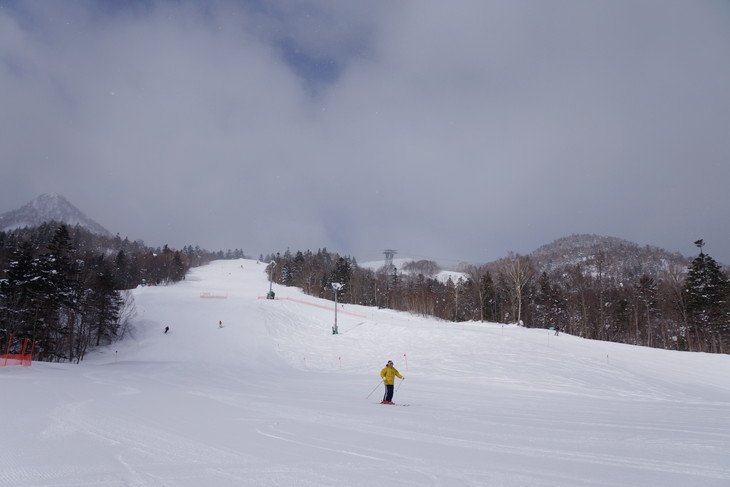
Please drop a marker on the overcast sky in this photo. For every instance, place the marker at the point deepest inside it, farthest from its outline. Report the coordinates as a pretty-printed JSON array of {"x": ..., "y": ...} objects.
[{"x": 452, "y": 131}]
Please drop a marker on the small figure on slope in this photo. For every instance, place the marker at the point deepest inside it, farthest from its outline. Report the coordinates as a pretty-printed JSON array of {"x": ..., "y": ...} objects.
[
  {"x": 388, "y": 374},
  {"x": 167, "y": 328}
]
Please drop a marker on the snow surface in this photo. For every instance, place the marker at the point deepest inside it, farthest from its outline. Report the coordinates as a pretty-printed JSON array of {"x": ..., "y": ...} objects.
[
  {"x": 455, "y": 276},
  {"x": 274, "y": 399}
]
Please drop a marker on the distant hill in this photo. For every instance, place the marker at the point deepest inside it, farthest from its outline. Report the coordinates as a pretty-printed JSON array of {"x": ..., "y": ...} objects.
[
  {"x": 47, "y": 208},
  {"x": 612, "y": 257}
]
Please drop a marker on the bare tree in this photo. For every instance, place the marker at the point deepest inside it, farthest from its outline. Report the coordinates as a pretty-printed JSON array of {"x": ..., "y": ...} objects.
[{"x": 520, "y": 272}]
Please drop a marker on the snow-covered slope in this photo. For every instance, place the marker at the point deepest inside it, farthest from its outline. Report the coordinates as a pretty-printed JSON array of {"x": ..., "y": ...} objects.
[{"x": 272, "y": 398}]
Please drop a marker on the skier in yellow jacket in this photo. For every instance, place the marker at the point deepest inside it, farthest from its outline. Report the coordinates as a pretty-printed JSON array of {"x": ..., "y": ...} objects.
[{"x": 388, "y": 374}]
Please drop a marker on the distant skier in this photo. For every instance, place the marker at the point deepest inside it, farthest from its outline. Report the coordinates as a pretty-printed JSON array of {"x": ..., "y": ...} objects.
[
  {"x": 557, "y": 330},
  {"x": 220, "y": 324},
  {"x": 167, "y": 328},
  {"x": 388, "y": 374}
]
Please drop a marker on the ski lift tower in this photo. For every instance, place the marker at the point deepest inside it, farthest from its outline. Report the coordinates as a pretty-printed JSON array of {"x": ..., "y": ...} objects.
[{"x": 389, "y": 253}]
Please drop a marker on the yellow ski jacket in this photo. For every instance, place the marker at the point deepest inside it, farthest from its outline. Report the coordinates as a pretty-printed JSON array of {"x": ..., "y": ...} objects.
[{"x": 389, "y": 374}]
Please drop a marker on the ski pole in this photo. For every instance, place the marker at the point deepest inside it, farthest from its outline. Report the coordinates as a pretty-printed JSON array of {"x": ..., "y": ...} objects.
[
  {"x": 376, "y": 388},
  {"x": 400, "y": 384}
]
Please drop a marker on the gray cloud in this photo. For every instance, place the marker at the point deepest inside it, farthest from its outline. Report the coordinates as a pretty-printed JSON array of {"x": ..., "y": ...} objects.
[{"x": 455, "y": 134}]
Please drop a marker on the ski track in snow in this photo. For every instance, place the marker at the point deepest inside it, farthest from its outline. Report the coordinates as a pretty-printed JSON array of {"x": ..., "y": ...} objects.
[{"x": 273, "y": 398}]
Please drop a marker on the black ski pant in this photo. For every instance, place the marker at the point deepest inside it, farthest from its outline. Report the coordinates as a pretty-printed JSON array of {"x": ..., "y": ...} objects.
[{"x": 388, "y": 392}]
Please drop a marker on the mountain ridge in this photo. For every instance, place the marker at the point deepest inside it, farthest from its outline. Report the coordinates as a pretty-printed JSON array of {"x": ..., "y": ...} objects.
[{"x": 608, "y": 252}]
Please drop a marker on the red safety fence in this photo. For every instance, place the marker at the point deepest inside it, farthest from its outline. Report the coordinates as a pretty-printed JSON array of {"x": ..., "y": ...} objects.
[
  {"x": 25, "y": 357},
  {"x": 308, "y": 303}
]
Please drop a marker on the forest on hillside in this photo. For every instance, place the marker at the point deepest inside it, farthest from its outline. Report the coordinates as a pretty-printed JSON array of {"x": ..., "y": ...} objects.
[
  {"x": 621, "y": 294},
  {"x": 65, "y": 288}
]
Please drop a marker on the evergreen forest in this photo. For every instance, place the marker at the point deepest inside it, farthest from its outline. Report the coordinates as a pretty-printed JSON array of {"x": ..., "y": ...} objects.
[{"x": 66, "y": 289}]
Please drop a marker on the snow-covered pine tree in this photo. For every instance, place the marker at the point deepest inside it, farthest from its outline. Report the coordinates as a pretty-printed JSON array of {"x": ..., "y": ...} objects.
[
  {"x": 60, "y": 280},
  {"x": 20, "y": 293},
  {"x": 707, "y": 294}
]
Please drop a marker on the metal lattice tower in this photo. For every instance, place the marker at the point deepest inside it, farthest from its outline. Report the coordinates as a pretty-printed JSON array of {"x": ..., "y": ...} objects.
[{"x": 389, "y": 253}]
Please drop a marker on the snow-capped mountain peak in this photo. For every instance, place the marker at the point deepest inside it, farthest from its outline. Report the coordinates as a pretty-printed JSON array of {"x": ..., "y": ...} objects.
[{"x": 49, "y": 207}]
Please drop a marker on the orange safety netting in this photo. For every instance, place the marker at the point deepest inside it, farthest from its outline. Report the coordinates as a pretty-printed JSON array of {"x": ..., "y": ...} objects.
[
  {"x": 15, "y": 359},
  {"x": 22, "y": 358}
]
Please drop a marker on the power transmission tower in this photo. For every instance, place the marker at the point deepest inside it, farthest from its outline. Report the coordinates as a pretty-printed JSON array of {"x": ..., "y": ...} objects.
[{"x": 389, "y": 253}]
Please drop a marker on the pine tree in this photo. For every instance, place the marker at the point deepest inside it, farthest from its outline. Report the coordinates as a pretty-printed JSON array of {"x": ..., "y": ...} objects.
[
  {"x": 106, "y": 304},
  {"x": 60, "y": 281},
  {"x": 646, "y": 300},
  {"x": 60, "y": 269},
  {"x": 121, "y": 263},
  {"x": 20, "y": 293},
  {"x": 706, "y": 288},
  {"x": 287, "y": 274},
  {"x": 549, "y": 304},
  {"x": 489, "y": 298},
  {"x": 342, "y": 273}
]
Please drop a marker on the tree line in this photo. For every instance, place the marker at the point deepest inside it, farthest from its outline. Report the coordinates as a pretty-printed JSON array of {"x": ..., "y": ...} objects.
[
  {"x": 66, "y": 288},
  {"x": 603, "y": 297}
]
